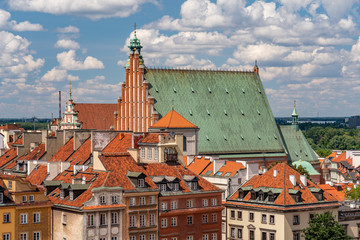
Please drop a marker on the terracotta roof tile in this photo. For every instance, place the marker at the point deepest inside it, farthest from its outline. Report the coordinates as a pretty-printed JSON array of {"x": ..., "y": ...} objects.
[
  {"x": 339, "y": 195},
  {"x": 173, "y": 120},
  {"x": 35, "y": 154},
  {"x": 38, "y": 175},
  {"x": 119, "y": 144},
  {"x": 230, "y": 167},
  {"x": 333, "y": 155},
  {"x": 104, "y": 206},
  {"x": 341, "y": 157},
  {"x": 150, "y": 138},
  {"x": 96, "y": 115},
  {"x": 178, "y": 171},
  {"x": 201, "y": 166},
  {"x": 64, "y": 152},
  {"x": 19, "y": 141},
  {"x": 82, "y": 154},
  {"x": 8, "y": 156}
]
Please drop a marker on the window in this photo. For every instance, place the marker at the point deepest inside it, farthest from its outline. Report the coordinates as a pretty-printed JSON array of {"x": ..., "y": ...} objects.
[
  {"x": 31, "y": 198},
  {"x": 296, "y": 235},
  {"x": 64, "y": 219},
  {"x": 141, "y": 183},
  {"x": 189, "y": 204},
  {"x": 114, "y": 218},
  {"x": 214, "y": 217},
  {"x": 114, "y": 199},
  {"x": 152, "y": 236},
  {"x": 190, "y": 237},
  {"x": 132, "y": 201},
  {"x": 102, "y": 200},
  {"x": 6, "y": 218},
  {"x": 152, "y": 200},
  {"x": 163, "y": 187},
  {"x": 36, "y": 236},
  {"x": 173, "y": 204},
  {"x": 213, "y": 201},
  {"x": 232, "y": 232},
  {"x": 132, "y": 221},
  {"x": 10, "y": 185},
  {"x": 114, "y": 238},
  {"x": 174, "y": 221},
  {"x": 24, "y": 199},
  {"x": 142, "y": 237},
  {"x": 156, "y": 153},
  {"x": 23, "y": 236},
  {"x": 174, "y": 238},
  {"x": 189, "y": 220},
  {"x": 163, "y": 206},
  {"x": 164, "y": 222},
  {"x": 263, "y": 218},
  {"x": 232, "y": 214},
  {"x": 23, "y": 218},
  {"x": 149, "y": 154},
  {"x": 142, "y": 220},
  {"x": 36, "y": 217},
  {"x": 205, "y": 202},
  {"x": 205, "y": 236},
  {"x": 6, "y": 236},
  {"x": 296, "y": 220},
  {"x": 132, "y": 237},
  {"x": 184, "y": 144},
  {"x": 142, "y": 152},
  {"x": 272, "y": 219},
  {"x": 214, "y": 236},
  {"x": 1, "y": 197},
  {"x": 103, "y": 219},
  {"x": 91, "y": 220},
  {"x": 263, "y": 235},
  {"x": 311, "y": 216},
  {"x": 251, "y": 216},
  {"x": 205, "y": 218},
  {"x": 239, "y": 214},
  {"x": 194, "y": 186},
  {"x": 142, "y": 201},
  {"x": 239, "y": 233},
  {"x": 272, "y": 236},
  {"x": 152, "y": 219},
  {"x": 252, "y": 235}
]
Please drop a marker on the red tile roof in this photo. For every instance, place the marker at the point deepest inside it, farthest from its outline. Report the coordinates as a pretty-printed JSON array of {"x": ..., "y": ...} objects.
[
  {"x": 339, "y": 195},
  {"x": 104, "y": 206},
  {"x": 201, "y": 165},
  {"x": 8, "y": 156},
  {"x": 82, "y": 154},
  {"x": 230, "y": 167},
  {"x": 281, "y": 181},
  {"x": 35, "y": 154},
  {"x": 96, "y": 115},
  {"x": 64, "y": 152},
  {"x": 12, "y": 127},
  {"x": 38, "y": 175},
  {"x": 341, "y": 157},
  {"x": 118, "y": 167},
  {"x": 119, "y": 144},
  {"x": 333, "y": 155},
  {"x": 19, "y": 141},
  {"x": 151, "y": 138},
  {"x": 178, "y": 171},
  {"x": 173, "y": 120}
]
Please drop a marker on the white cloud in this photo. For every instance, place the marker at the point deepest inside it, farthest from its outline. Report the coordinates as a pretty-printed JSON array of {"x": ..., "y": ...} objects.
[
  {"x": 7, "y": 24},
  {"x": 92, "y": 9},
  {"x": 67, "y": 61},
  {"x": 68, "y": 29},
  {"x": 67, "y": 44}
]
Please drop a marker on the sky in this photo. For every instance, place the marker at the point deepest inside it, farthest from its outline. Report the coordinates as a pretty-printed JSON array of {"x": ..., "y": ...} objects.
[{"x": 307, "y": 50}]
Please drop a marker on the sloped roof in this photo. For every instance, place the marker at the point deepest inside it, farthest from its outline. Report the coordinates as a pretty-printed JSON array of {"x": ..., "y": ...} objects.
[
  {"x": 201, "y": 165},
  {"x": 82, "y": 154},
  {"x": 281, "y": 182},
  {"x": 8, "y": 156},
  {"x": 64, "y": 152},
  {"x": 35, "y": 154},
  {"x": 178, "y": 171},
  {"x": 95, "y": 115},
  {"x": 296, "y": 145},
  {"x": 173, "y": 120},
  {"x": 339, "y": 195},
  {"x": 230, "y": 168},
  {"x": 38, "y": 175},
  {"x": 151, "y": 138},
  {"x": 307, "y": 166},
  {"x": 230, "y": 108},
  {"x": 341, "y": 157},
  {"x": 119, "y": 144}
]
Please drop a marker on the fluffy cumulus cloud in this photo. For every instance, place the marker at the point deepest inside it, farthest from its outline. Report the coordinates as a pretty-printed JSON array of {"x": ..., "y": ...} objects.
[
  {"x": 67, "y": 44},
  {"x": 92, "y": 9},
  {"x": 7, "y": 24},
  {"x": 67, "y": 60}
]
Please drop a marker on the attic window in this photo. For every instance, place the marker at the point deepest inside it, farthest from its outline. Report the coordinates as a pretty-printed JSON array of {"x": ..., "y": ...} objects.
[
  {"x": 192, "y": 90},
  {"x": 209, "y": 90},
  {"x": 71, "y": 195},
  {"x": 1, "y": 197},
  {"x": 174, "y": 90},
  {"x": 194, "y": 185},
  {"x": 227, "y": 174},
  {"x": 219, "y": 173},
  {"x": 241, "y": 194},
  {"x": 271, "y": 197},
  {"x": 62, "y": 194},
  {"x": 208, "y": 173},
  {"x": 261, "y": 196},
  {"x": 253, "y": 195},
  {"x": 140, "y": 183}
]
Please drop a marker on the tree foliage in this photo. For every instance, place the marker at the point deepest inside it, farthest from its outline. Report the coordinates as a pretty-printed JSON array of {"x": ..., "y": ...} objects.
[
  {"x": 324, "y": 226},
  {"x": 302, "y": 171},
  {"x": 323, "y": 139},
  {"x": 353, "y": 194}
]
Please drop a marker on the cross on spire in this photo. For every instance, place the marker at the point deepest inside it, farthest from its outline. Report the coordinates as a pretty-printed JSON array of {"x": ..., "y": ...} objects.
[
  {"x": 70, "y": 88},
  {"x": 134, "y": 27},
  {"x": 294, "y": 103}
]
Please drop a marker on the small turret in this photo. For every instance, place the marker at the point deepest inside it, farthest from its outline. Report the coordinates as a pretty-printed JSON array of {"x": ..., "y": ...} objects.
[
  {"x": 295, "y": 116},
  {"x": 256, "y": 68}
]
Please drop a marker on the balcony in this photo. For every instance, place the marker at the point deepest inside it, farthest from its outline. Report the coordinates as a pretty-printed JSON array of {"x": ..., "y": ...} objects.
[{"x": 171, "y": 157}]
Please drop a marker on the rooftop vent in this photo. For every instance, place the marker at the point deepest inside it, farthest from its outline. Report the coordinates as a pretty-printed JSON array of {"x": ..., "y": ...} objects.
[
  {"x": 275, "y": 172},
  {"x": 292, "y": 179},
  {"x": 174, "y": 90},
  {"x": 225, "y": 113},
  {"x": 208, "y": 112},
  {"x": 243, "y": 90},
  {"x": 226, "y": 91},
  {"x": 209, "y": 90},
  {"x": 242, "y": 137}
]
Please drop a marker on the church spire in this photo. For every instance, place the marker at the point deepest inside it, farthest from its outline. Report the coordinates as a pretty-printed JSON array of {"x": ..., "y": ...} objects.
[
  {"x": 135, "y": 42},
  {"x": 256, "y": 68},
  {"x": 295, "y": 116}
]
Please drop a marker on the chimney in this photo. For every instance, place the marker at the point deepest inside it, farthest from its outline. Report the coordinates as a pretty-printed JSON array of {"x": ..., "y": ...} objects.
[
  {"x": 303, "y": 180},
  {"x": 292, "y": 179},
  {"x": 275, "y": 172}
]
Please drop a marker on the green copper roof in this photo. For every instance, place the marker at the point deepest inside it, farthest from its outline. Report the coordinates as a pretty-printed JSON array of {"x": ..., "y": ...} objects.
[
  {"x": 230, "y": 108},
  {"x": 135, "y": 43},
  {"x": 296, "y": 145},
  {"x": 307, "y": 166}
]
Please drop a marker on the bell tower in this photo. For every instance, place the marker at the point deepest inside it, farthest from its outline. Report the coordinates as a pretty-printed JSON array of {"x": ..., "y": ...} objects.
[
  {"x": 135, "y": 109},
  {"x": 70, "y": 119}
]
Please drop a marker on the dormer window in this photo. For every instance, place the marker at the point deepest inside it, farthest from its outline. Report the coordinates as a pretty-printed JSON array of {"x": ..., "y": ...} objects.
[
  {"x": 10, "y": 185},
  {"x": 176, "y": 187},
  {"x": 102, "y": 200},
  {"x": 163, "y": 188},
  {"x": 253, "y": 195},
  {"x": 241, "y": 194},
  {"x": 194, "y": 185},
  {"x": 271, "y": 197},
  {"x": 114, "y": 199},
  {"x": 141, "y": 183},
  {"x": 71, "y": 195},
  {"x": 62, "y": 194},
  {"x": 261, "y": 196}
]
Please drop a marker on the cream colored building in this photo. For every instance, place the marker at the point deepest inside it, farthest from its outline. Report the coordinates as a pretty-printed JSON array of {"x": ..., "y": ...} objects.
[{"x": 275, "y": 206}]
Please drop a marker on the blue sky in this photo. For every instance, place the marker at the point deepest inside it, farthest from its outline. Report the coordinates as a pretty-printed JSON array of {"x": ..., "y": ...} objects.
[{"x": 307, "y": 50}]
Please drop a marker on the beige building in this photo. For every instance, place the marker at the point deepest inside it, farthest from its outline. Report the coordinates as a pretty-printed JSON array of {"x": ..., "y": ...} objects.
[{"x": 275, "y": 206}]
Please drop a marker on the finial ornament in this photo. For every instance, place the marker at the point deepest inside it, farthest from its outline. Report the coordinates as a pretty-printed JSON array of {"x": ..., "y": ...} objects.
[
  {"x": 294, "y": 103},
  {"x": 172, "y": 107},
  {"x": 70, "y": 87},
  {"x": 135, "y": 28}
]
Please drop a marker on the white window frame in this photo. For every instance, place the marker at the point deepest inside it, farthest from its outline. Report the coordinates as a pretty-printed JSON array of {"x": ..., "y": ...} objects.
[
  {"x": 205, "y": 237},
  {"x": 91, "y": 220},
  {"x": 174, "y": 204},
  {"x": 205, "y": 202},
  {"x": 189, "y": 204},
  {"x": 174, "y": 221},
  {"x": 205, "y": 218},
  {"x": 152, "y": 219},
  {"x": 114, "y": 199},
  {"x": 142, "y": 220},
  {"x": 132, "y": 201},
  {"x": 152, "y": 200},
  {"x": 214, "y": 202},
  {"x": 37, "y": 217},
  {"x": 23, "y": 236},
  {"x": 156, "y": 153},
  {"x": 163, "y": 206},
  {"x": 36, "y": 236},
  {"x": 142, "y": 152},
  {"x": 214, "y": 236},
  {"x": 149, "y": 153},
  {"x": 114, "y": 218},
  {"x": 164, "y": 222},
  {"x": 214, "y": 217},
  {"x": 132, "y": 221},
  {"x": 103, "y": 219},
  {"x": 142, "y": 201},
  {"x": 23, "y": 218},
  {"x": 6, "y": 236}
]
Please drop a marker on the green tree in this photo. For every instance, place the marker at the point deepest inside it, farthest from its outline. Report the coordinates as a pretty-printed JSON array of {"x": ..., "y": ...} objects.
[
  {"x": 353, "y": 194},
  {"x": 324, "y": 226},
  {"x": 302, "y": 171}
]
